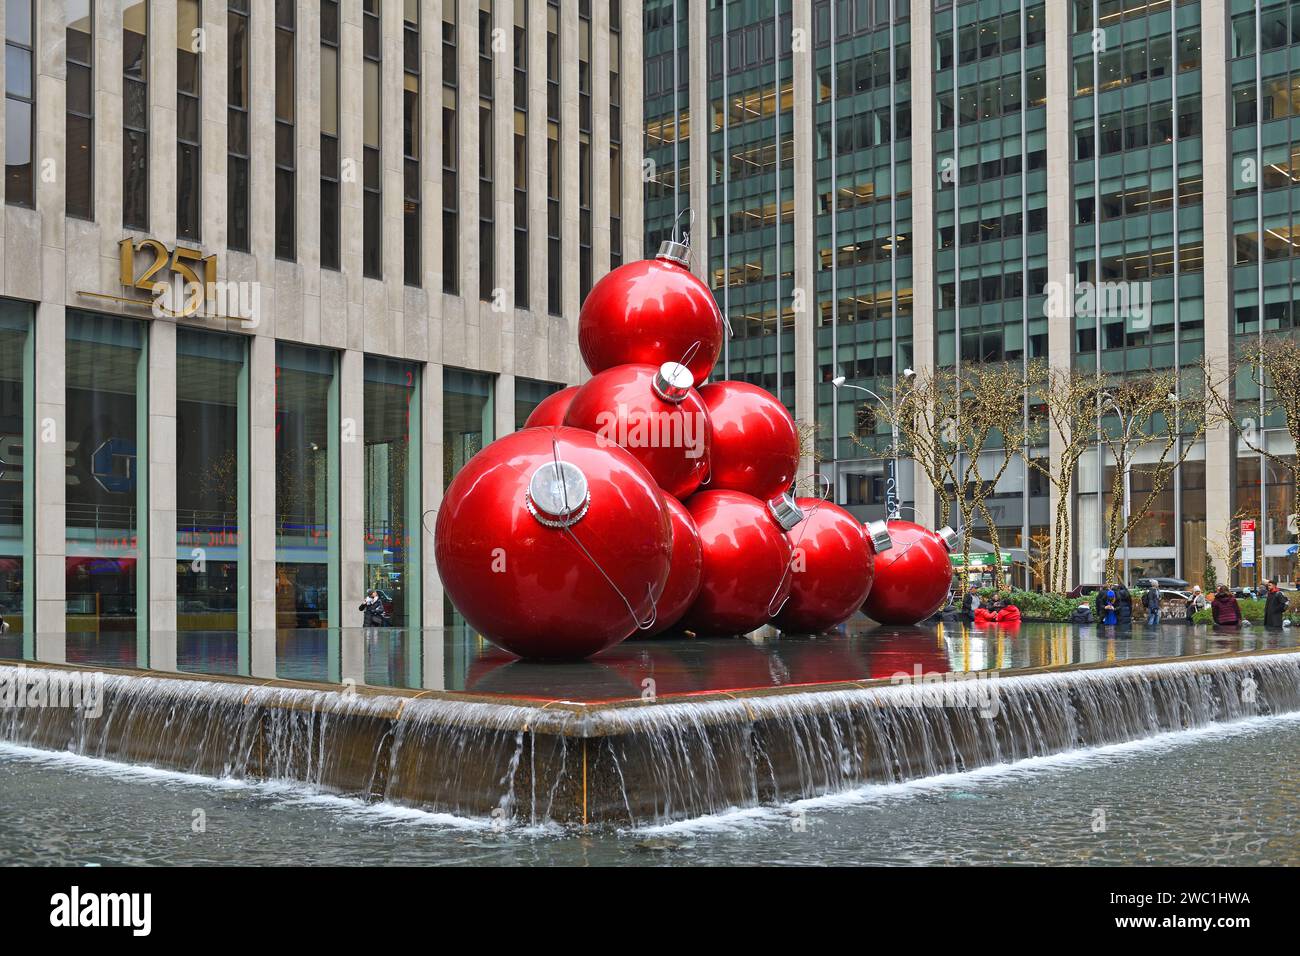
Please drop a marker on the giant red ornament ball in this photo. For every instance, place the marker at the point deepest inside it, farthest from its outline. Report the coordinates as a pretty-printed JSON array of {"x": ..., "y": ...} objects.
[
  {"x": 506, "y": 550},
  {"x": 912, "y": 578},
  {"x": 651, "y": 311},
  {"x": 655, "y": 414},
  {"x": 755, "y": 446},
  {"x": 745, "y": 571},
  {"x": 684, "y": 579},
  {"x": 831, "y": 570},
  {"x": 551, "y": 409}
]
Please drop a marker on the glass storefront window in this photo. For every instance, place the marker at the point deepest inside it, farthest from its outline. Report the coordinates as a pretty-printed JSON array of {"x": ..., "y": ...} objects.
[
  {"x": 209, "y": 382},
  {"x": 392, "y": 468},
  {"x": 306, "y": 486},
  {"x": 467, "y": 425},
  {"x": 16, "y": 400},
  {"x": 107, "y": 366},
  {"x": 528, "y": 395},
  {"x": 466, "y": 418}
]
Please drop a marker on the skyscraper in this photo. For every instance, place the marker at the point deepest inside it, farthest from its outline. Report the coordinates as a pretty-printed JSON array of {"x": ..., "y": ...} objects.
[{"x": 882, "y": 185}]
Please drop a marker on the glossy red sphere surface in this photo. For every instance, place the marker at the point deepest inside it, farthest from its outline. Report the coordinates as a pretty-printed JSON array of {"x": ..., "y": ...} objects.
[
  {"x": 755, "y": 447},
  {"x": 551, "y": 409},
  {"x": 744, "y": 574},
  {"x": 671, "y": 439},
  {"x": 831, "y": 569},
  {"x": 530, "y": 588},
  {"x": 684, "y": 577},
  {"x": 650, "y": 311},
  {"x": 912, "y": 578}
]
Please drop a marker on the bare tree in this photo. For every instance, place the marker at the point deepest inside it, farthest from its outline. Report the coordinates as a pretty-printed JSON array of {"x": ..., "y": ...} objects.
[
  {"x": 922, "y": 409},
  {"x": 1225, "y": 546},
  {"x": 1068, "y": 401},
  {"x": 990, "y": 431},
  {"x": 1161, "y": 411},
  {"x": 1275, "y": 370}
]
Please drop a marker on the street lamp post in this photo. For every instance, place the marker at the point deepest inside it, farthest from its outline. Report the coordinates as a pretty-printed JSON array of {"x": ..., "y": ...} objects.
[{"x": 891, "y": 484}]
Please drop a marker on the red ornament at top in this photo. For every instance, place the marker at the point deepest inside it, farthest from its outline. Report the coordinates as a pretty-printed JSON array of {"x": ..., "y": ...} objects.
[
  {"x": 913, "y": 577},
  {"x": 551, "y": 409},
  {"x": 831, "y": 569},
  {"x": 655, "y": 414},
  {"x": 755, "y": 446},
  {"x": 649, "y": 312},
  {"x": 553, "y": 559}
]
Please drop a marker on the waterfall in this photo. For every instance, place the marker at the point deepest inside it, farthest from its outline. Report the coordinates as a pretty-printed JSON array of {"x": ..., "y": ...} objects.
[{"x": 637, "y": 763}]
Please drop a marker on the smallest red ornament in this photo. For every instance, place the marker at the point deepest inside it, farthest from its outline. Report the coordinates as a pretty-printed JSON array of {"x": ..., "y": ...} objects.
[
  {"x": 912, "y": 578},
  {"x": 552, "y": 409}
]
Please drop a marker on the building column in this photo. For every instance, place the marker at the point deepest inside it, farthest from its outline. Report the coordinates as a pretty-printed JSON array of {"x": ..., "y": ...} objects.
[
  {"x": 697, "y": 72},
  {"x": 600, "y": 202},
  {"x": 162, "y": 122},
  {"x": 1220, "y": 445},
  {"x": 923, "y": 298},
  {"x": 260, "y": 469},
  {"x": 431, "y": 149},
  {"x": 632, "y": 73},
  {"x": 805, "y": 296},
  {"x": 46, "y": 276},
  {"x": 161, "y": 446},
  {"x": 1060, "y": 261},
  {"x": 214, "y": 87},
  {"x": 431, "y": 498},
  {"x": 468, "y": 158},
  {"x": 537, "y": 238},
  {"x": 352, "y": 485}
]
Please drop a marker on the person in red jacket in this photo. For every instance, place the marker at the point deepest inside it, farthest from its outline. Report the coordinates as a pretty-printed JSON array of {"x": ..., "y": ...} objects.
[{"x": 1224, "y": 608}]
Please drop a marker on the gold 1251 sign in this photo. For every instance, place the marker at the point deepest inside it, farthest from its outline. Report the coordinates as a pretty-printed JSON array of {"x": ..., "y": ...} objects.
[{"x": 179, "y": 263}]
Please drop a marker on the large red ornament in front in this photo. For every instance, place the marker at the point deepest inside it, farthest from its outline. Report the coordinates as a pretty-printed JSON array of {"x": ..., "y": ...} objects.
[
  {"x": 552, "y": 546},
  {"x": 551, "y": 409},
  {"x": 831, "y": 569},
  {"x": 655, "y": 414},
  {"x": 649, "y": 312},
  {"x": 755, "y": 446},
  {"x": 913, "y": 577},
  {"x": 684, "y": 579},
  {"x": 746, "y": 561}
]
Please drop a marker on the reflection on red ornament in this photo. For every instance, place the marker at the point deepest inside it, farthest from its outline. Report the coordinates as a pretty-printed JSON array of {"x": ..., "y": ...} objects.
[
  {"x": 755, "y": 446},
  {"x": 831, "y": 569},
  {"x": 684, "y": 579},
  {"x": 655, "y": 414},
  {"x": 746, "y": 557},
  {"x": 651, "y": 311},
  {"x": 551, "y": 409},
  {"x": 912, "y": 578},
  {"x": 553, "y": 560}
]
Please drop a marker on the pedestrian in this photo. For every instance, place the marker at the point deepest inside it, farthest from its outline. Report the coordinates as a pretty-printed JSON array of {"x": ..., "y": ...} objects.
[
  {"x": 1224, "y": 608},
  {"x": 372, "y": 610},
  {"x": 1275, "y": 605},
  {"x": 1081, "y": 615},
  {"x": 1151, "y": 602},
  {"x": 1100, "y": 610},
  {"x": 1111, "y": 617},
  {"x": 1124, "y": 605},
  {"x": 970, "y": 604},
  {"x": 1196, "y": 602}
]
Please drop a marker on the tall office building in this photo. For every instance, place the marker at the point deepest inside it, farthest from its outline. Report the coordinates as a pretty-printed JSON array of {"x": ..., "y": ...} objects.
[
  {"x": 388, "y": 210},
  {"x": 882, "y": 184}
]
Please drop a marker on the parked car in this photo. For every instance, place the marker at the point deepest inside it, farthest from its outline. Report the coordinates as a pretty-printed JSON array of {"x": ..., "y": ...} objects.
[
  {"x": 1083, "y": 590},
  {"x": 1176, "y": 584}
]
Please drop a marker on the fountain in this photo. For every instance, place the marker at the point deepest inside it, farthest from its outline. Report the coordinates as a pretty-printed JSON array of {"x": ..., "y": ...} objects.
[{"x": 636, "y": 762}]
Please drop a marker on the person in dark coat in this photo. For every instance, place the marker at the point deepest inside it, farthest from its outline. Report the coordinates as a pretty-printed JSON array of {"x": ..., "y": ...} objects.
[
  {"x": 1124, "y": 605},
  {"x": 1100, "y": 602},
  {"x": 1275, "y": 605},
  {"x": 1224, "y": 608},
  {"x": 1151, "y": 603},
  {"x": 1081, "y": 615},
  {"x": 372, "y": 610},
  {"x": 970, "y": 604}
]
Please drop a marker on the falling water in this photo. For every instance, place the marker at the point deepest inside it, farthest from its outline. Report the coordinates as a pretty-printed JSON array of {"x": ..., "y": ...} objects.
[{"x": 644, "y": 763}]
